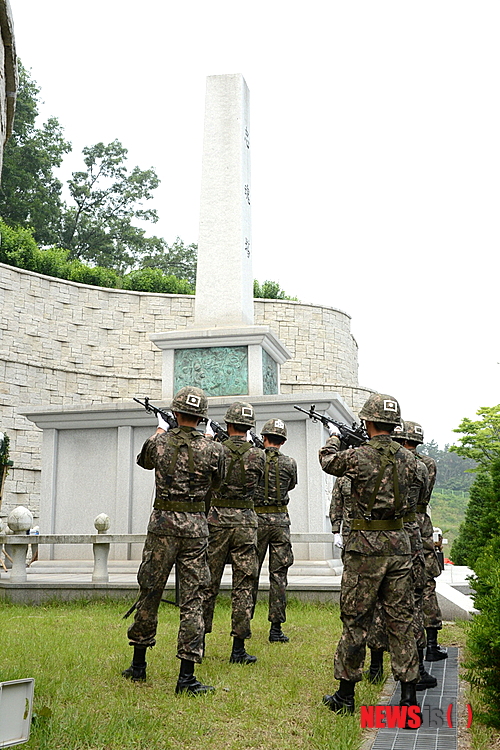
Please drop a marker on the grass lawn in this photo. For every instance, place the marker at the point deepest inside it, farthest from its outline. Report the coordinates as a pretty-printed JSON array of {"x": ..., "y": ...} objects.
[{"x": 76, "y": 653}]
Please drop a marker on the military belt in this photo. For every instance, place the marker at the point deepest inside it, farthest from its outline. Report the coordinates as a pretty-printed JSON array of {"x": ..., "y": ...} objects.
[
  {"x": 421, "y": 508},
  {"x": 228, "y": 503},
  {"x": 189, "y": 507},
  {"x": 270, "y": 508},
  {"x": 392, "y": 524},
  {"x": 410, "y": 518}
]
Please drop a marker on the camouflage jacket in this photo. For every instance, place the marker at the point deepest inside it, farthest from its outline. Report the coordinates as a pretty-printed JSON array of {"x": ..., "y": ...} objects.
[
  {"x": 363, "y": 467},
  {"x": 423, "y": 517},
  {"x": 340, "y": 507},
  {"x": 286, "y": 467},
  {"x": 242, "y": 475},
  {"x": 178, "y": 483}
]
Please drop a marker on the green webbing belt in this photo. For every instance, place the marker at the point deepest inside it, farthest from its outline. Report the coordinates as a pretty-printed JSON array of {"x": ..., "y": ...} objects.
[
  {"x": 388, "y": 524},
  {"x": 237, "y": 453},
  {"x": 421, "y": 508},
  {"x": 410, "y": 518},
  {"x": 162, "y": 504},
  {"x": 270, "y": 509},
  {"x": 272, "y": 455}
]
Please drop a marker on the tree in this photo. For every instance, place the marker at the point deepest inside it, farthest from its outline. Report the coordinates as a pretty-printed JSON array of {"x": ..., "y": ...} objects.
[
  {"x": 481, "y": 438},
  {"x": 453, "y": 472},
  {"x": 477, "y": 528},
  {"x": 174, "y": 260},
  {"x": 270, "y": 290},
  {"x": 30, "y": 194},
  {"x": 108, "y": 199}
]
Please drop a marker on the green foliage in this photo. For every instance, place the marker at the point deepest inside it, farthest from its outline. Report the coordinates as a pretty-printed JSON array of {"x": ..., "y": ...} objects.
[
  {"x": 108, "y": 199},
  {"x": 481, "y": 438},
  {"x": 177, "y": 259},
  {"x": 479, "y": 525},
  {"x": 154, "y": 280},
  {"x": 4, "y": 449},
  {"x": 483, "y": 643},
  {"x": 448, "y": 512},
  {"x": 30, "y": 194},
  {"x": 270, "y": 290},
  {"x": 454, "y": 472}
]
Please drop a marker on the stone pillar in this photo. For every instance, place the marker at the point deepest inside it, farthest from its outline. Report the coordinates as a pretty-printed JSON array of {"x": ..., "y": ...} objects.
[{"x": 224, "y": 279}]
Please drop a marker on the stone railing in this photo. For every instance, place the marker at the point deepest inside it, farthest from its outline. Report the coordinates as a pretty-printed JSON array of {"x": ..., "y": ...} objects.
[{"x": 17, "y": 545}]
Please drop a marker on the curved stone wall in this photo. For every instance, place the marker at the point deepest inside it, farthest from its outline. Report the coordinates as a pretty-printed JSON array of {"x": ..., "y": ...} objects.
[{"x": 64, "y": 343}]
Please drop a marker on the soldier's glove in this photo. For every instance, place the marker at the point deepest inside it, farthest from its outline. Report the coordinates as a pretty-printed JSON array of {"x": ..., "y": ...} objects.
[
  {"x": 161, "y": 423},
  {"x": 209, "y": 429},
  {"x": 337, "y": 541},
  {"x": 333, "y": 430}
]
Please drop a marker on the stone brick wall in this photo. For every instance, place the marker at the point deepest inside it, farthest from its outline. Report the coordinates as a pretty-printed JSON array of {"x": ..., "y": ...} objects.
[{"x": 63, "y": 343}]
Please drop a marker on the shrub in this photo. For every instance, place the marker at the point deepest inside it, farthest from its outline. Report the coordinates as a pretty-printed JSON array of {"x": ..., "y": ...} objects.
[{"x": 154, "y": 280}]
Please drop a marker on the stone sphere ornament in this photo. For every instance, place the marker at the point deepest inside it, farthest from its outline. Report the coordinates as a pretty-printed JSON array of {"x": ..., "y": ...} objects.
[
  {"x": 20, "y": 519},
  {"x": 102, "y": 523}
]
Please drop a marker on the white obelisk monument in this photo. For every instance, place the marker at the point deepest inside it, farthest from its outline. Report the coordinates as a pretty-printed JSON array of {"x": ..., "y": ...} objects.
[{"x": 223, "y": 352}]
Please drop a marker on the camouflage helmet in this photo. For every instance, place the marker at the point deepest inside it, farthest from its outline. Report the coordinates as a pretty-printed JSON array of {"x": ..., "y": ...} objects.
[
  {"x": 274, "y": 427},
  {"x": 240, "y": 413},
  {"x": 190, "y": 400},
  {"x": 413, "y": 432},
  {"x": 381, "y": 408}
]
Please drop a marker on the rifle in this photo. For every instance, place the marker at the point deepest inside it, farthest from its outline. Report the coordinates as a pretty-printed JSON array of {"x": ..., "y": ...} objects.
[
  {"x": 256, "y": 440},
  {"x": 220, "y": 432},
  {"x": 350, "y": 437},
  {"x": 167, "y": 415}
]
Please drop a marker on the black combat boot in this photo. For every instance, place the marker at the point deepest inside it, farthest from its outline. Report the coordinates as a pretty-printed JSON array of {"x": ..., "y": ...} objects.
[
  {"x": 137, "y": 670},
  {"x": 425, "y": 679},
  {"x": 276, "y": 635},
  {"x": 376, "y": 672},
  {"x": 343, "y": 700},
  {"x": 434, "y": 651},
  {"x": 187, "y": 682},
  {"x": 239, "y": 655},
  {"x": 409, "y": 698}
]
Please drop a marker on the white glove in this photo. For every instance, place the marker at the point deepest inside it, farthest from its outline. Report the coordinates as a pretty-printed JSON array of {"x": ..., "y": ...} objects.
[
  {"x": 209, "y": 429},
  {"x": 333, "y": 430},
  {"x": 161, "y": 423},
  {"x": 337, "y": 541}
]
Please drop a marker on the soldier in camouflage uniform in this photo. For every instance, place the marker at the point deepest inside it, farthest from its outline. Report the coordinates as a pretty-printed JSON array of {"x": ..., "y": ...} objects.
[
  {"x": 271, "y": 499},
  {"x": 187, "y": 466},
  {"x": 377, "y": 555},
  {"x": 232, "y": 524},
  {"x": 377, "y": 635},
  {"x": 341, "y": 511},
  {"x": 433, "y": 621}
]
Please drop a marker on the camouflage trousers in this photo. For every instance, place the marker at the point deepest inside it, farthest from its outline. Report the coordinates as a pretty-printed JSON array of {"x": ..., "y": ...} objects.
[
  {"x": 377, "y": 633},
  {"x": 238, "y": 545},
  {"x": 367, "y": 578},
  {"x": 159, "y": 555},
  {"x": 277, "y": 540},
  {"x": 432, "y": 610}
]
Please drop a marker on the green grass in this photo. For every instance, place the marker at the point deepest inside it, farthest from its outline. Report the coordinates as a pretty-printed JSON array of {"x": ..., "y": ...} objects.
[{"x": 76, "y": 653}]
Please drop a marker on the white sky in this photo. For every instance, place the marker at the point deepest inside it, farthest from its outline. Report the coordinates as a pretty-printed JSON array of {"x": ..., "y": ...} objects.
[{"x": 375, "y": 158}]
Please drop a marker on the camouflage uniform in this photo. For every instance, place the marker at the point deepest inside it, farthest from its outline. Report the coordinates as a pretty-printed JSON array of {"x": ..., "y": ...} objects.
[
  {"x": 432, "y": 611},
  {"x": 274, "y": 527},
  {"x": 187, "y": 465},
  {"x": 377, "y": 563},
  {"x": 341, "y": 510},
  {"x": 377, "y": 634},
  {"x": 232, "y": 524}
]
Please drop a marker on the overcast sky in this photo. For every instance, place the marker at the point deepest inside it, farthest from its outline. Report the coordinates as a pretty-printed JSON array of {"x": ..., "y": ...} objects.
[{"x": 375, "y": 158}]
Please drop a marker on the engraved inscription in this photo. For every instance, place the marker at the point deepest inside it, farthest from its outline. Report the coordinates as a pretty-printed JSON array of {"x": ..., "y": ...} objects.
[
  {"x": 247, "y": 138},
  {"x": 247, "y": 193},
  {"x": 219, "y": 370},
  {"x": 247, "y": 247}
]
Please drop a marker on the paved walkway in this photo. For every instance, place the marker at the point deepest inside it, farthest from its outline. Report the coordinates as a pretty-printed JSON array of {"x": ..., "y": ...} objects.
[{"x": 439, "y": 706}]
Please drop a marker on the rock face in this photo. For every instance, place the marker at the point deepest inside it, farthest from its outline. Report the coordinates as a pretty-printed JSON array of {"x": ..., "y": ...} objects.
[{"x": 8, "y": 74}]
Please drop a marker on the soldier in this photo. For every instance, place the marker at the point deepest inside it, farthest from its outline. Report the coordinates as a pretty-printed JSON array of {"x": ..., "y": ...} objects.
[
  {"x": 377, "y": 635},
  {"x": 433, "y": 621},
  {"x": 377, "y": 556},
  {"x": 232, "y": 524},
  {"x": 271, "y": 500},
  {"x": 341, "y": 511},
  {"x": 187, "y": 466}
]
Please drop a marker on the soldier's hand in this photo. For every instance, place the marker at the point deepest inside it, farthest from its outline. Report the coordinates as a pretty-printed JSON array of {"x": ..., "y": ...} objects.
[
  {"x": 209, "y": 431},
  {"x": 337, "y": 541},
  {"x": 162, "y": 424},
  {"x": 333, "y": 430}
]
